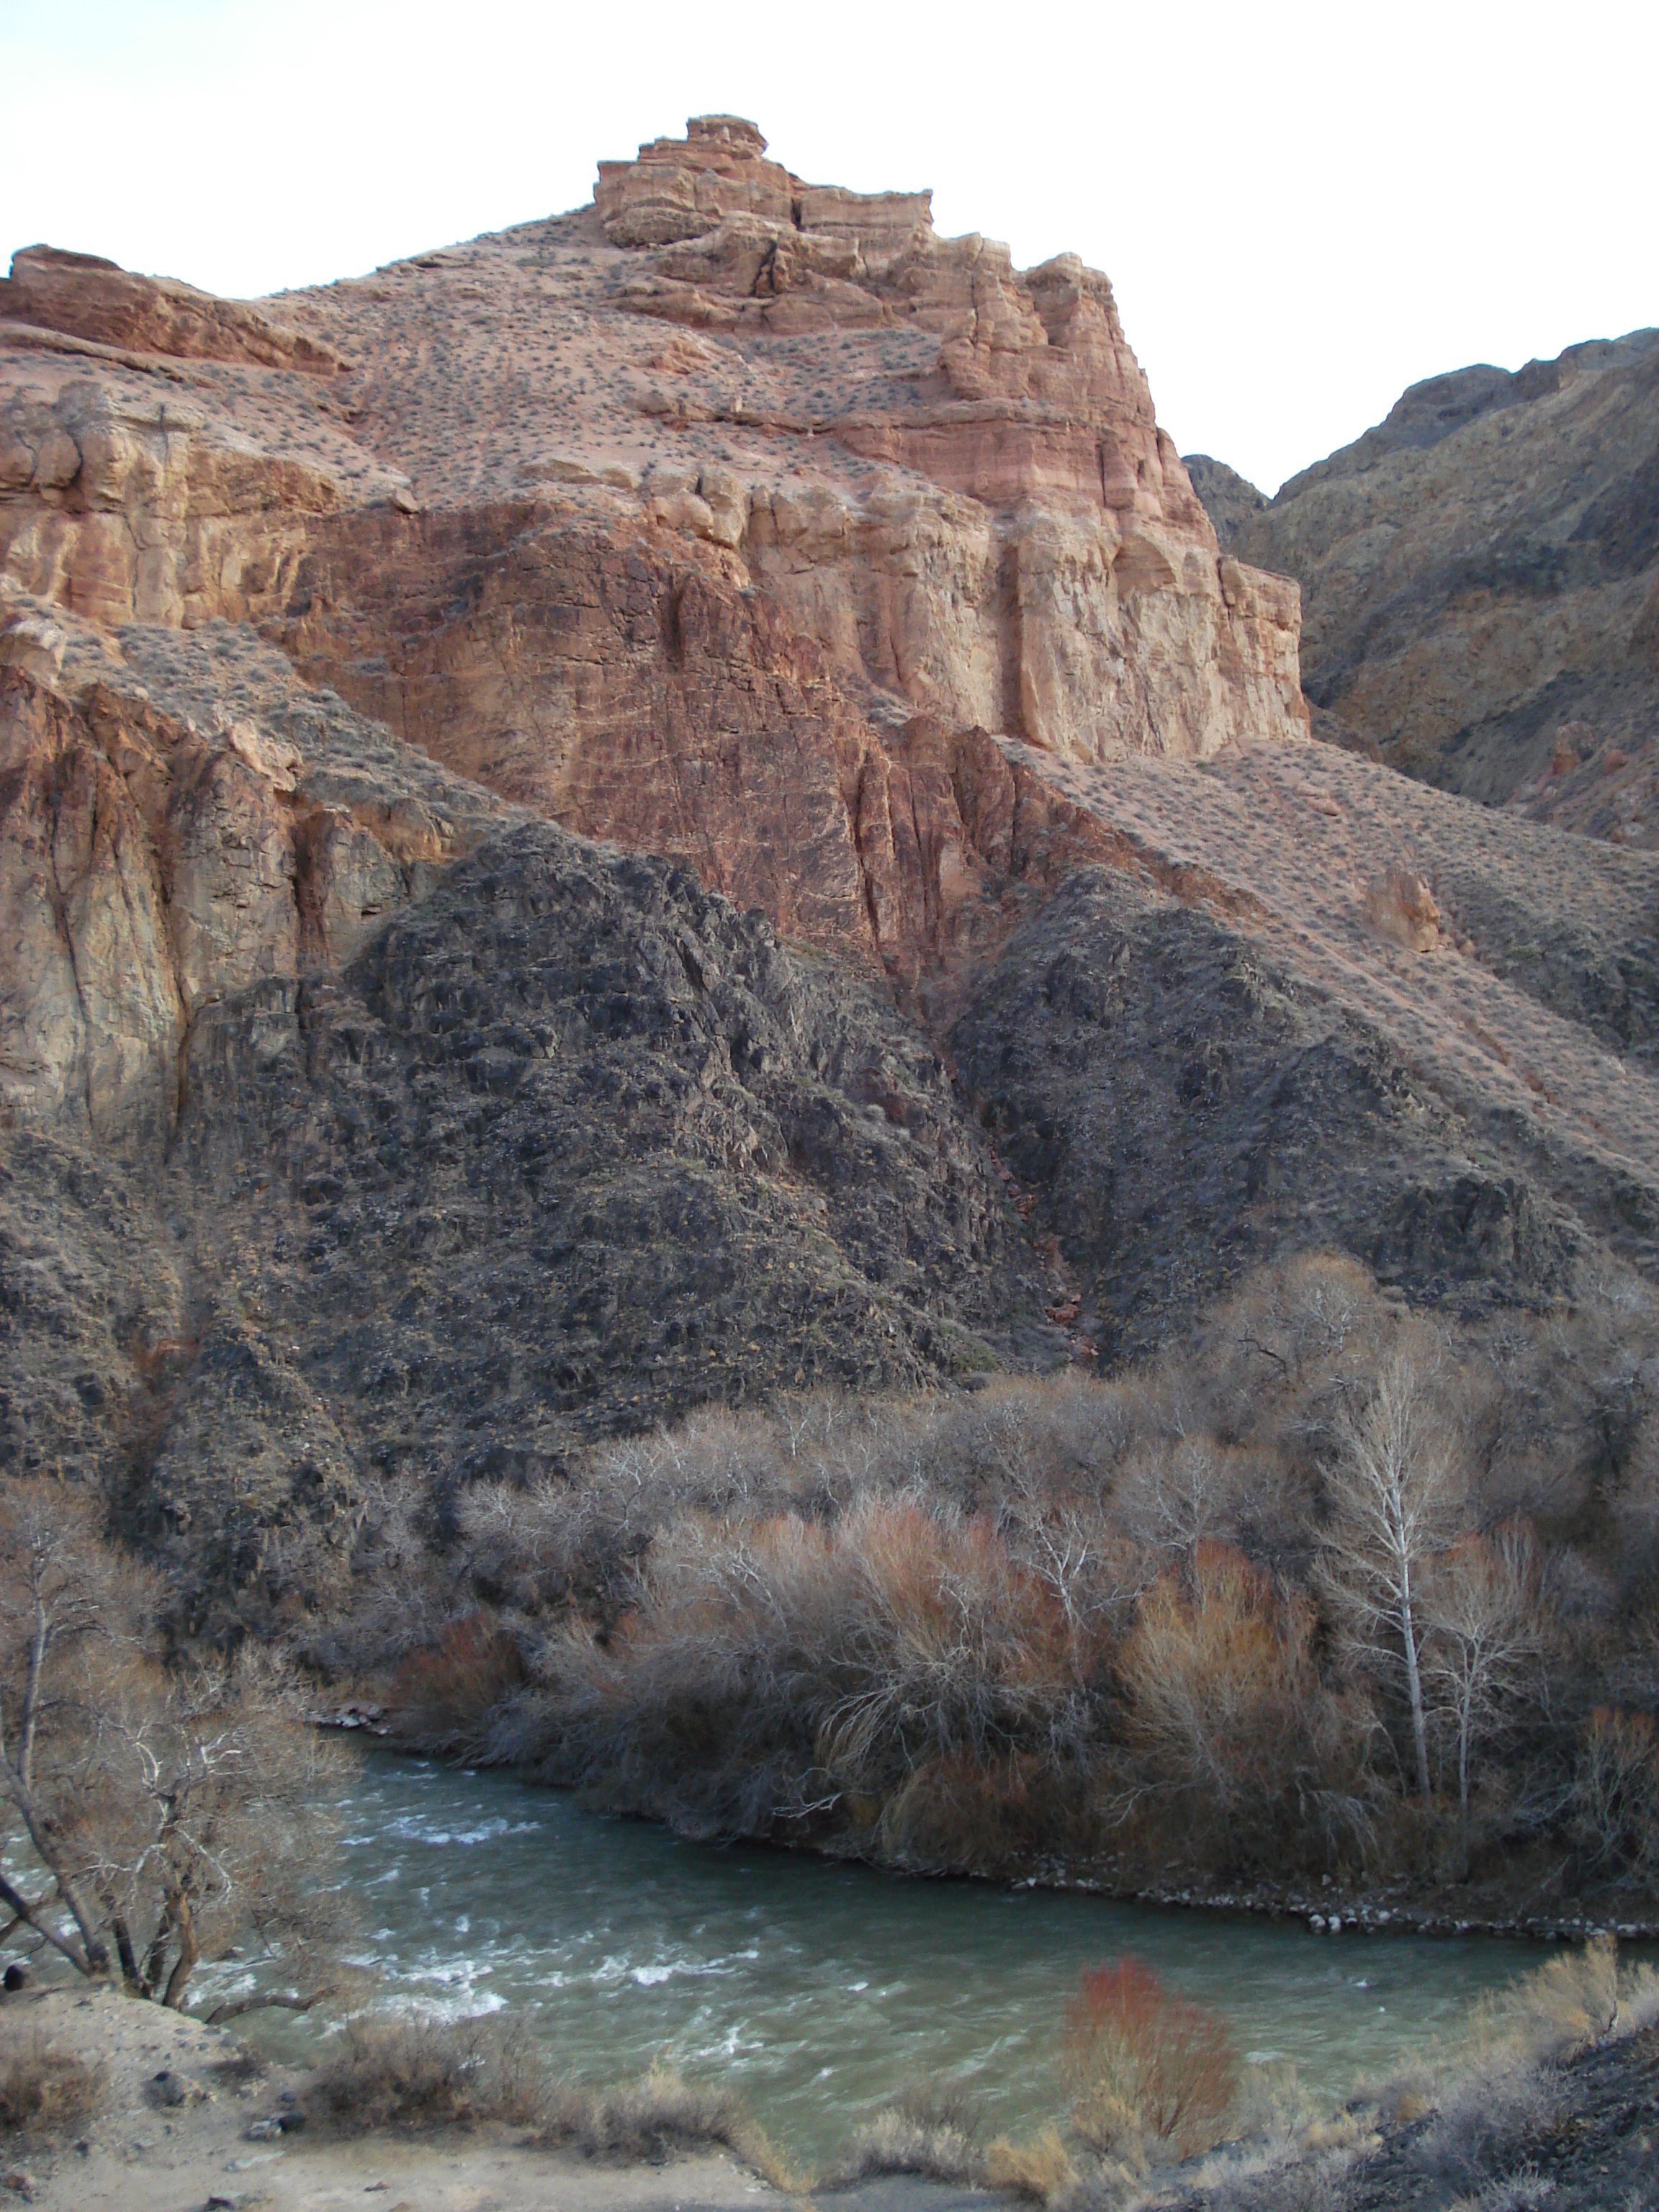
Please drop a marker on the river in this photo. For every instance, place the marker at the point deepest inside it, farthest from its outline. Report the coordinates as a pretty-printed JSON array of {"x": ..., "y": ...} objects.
[{"x": 816, "y": 1988}]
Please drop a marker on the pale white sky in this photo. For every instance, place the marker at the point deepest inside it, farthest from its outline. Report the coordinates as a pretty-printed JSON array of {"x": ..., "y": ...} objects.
[{"x": 1303, "y": 207}]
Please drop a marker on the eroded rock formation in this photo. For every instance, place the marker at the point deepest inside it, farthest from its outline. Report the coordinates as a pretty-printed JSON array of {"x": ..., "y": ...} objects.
[
  {"x": 723, "y": 520},
  {"x": 81, "y": 295},
  {"x": 681, "y": 803}
]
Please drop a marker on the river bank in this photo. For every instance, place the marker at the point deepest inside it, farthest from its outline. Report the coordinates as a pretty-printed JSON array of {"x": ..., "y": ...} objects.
[
  {"x": 1496, "y": 1907},
  {"x": 1487, "y": 1911},
  {"x": 181, "y": 2114},
  {"x": 138, "y": 2151}
]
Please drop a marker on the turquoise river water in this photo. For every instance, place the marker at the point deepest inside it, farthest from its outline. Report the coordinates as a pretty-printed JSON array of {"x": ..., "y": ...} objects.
[{"x": 818, "y": 1988}]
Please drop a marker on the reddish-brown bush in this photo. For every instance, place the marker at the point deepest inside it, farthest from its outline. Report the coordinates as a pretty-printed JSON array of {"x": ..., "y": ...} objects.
[
  {"x": 1139, "y": 2059},
  {"x": 1228, "y": 1710},
  {"x": 442, "y": 1696},
  {"x": 1616, "y": 1791}
]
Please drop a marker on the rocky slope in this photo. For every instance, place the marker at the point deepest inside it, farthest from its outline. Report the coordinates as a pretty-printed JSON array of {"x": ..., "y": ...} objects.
[
  {"x": 680, "y": 803},
  {"x": 1480, "y": 584}
]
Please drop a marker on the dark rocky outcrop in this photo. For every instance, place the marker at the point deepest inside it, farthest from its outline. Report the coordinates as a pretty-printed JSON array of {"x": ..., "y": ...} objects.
[{"x": 1189, "y": 1110}]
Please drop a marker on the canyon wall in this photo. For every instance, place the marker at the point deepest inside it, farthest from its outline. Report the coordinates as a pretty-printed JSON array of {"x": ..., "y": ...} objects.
[
  {"x": 680, "y": 804},
  {"x": 725, "y": 519},
  {"x": 1480, "y": 584}
]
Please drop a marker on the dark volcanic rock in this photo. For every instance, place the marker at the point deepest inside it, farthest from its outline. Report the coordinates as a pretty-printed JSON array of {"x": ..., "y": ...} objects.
[
  {"x": 1230, "y": 499},
  {"x": 1188, "y": 1111},
  {"x": 569, "y": 1148}
]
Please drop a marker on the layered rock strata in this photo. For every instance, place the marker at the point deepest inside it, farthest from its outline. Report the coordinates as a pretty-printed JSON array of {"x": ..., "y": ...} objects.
[
  {"x": 722, "y": 519},
  {"x": 685, "y": 807},
  {"x": 81, "y": 295}
]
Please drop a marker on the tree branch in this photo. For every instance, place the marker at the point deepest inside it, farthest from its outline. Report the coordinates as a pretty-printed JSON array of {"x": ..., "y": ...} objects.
[
  {"x": 272, "y": 2004},
  {"x": 16, "y": 1903}
]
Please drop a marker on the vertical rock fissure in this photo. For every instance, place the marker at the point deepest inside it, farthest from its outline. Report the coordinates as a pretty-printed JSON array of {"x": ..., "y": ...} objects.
[
  {"x": 60, "y": 914},
  {"x": 855, "y": 825}
]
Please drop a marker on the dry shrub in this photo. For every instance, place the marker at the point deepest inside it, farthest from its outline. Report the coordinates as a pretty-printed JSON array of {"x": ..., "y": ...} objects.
[
  {"x": 953, "y": 1814},
  {"x": 1506, "y": 2089},
  {"x": 798, "y": 1672},
  {"x": 893, "y": 2143},
  {"x": 1638, "y": 2001},
  {"x": 416, "y": 2073},
  {"x": 657, "y": 2117},
  {"x": 1064, "y": 1436},
  {"x": 1139, "y": 2060},
  {"x": 442, "y": 1698},
  {"x": 1271, "y": 2105},
  {"x": 1524, "y": 2191},
  {"x": 1487, "y": 2115},
  {"x": 1040, "y": 2170},
  {"x": 1079, "y": 1616},
  {"x": 1339, "y": 2131},
  {"x": 931, "y": 2128},
  {"x": 1239, "y": 1732},
  {"x": 45, "y": 2094},
  {"x": 1406, "y": 2095},
  {"x": 240, "y": 2067},
  {"x": 1615, "y": 1795},
  {"x": 1278, "y": 2183}
]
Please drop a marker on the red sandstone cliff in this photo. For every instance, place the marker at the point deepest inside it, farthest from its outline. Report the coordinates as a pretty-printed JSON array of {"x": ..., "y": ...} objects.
[{"x": 722, "y": 519}]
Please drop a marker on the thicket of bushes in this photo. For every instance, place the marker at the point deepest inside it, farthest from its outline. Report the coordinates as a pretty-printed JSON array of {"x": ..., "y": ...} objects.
[{"x": 1328, "y": 1589}]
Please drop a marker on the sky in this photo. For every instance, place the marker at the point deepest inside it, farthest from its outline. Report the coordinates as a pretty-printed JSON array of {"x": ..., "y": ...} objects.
[{"x": 1303, "y": 208}]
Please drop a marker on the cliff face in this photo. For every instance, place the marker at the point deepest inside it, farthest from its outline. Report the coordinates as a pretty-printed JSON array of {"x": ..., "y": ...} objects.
[
  {"x": 1480, "y": 584},
  {"x": 667, "y": 521},
  {"x": 679, "y": 804}
]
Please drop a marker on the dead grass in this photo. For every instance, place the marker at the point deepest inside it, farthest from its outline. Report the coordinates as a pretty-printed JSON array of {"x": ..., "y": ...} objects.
[
  {"x": 416, "y": 2074},
  {"x": 931, "y": 2128},
  {"x": 660, "y": 2116},
  {"x": 1040, "y": 2170},
  {"x": 45, "y": 2094},
  {"x": 1572, "y": 2000}
]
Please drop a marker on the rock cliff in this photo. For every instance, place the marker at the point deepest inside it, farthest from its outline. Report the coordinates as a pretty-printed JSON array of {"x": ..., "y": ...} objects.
[
  {"x": 717, "y": 519},
  {"x": 1480, "y": 583},
  {"x": 680, "y": 803}
]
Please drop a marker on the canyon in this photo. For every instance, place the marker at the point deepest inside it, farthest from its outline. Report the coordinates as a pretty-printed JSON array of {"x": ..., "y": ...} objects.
[{"x": 683, "y": 803}]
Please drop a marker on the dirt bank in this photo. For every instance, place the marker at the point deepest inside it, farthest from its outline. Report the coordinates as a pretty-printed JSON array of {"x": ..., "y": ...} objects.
[{"x": 137, "y": 2153}]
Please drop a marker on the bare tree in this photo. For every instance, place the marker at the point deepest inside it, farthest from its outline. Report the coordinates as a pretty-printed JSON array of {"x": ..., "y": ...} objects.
[
  {"x": 1393, "y": 1487},
  {"x": 156, "y": 1817},
  {"x": 55, "y": 1595},
  {"x": 1480, "y": 1625}
]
